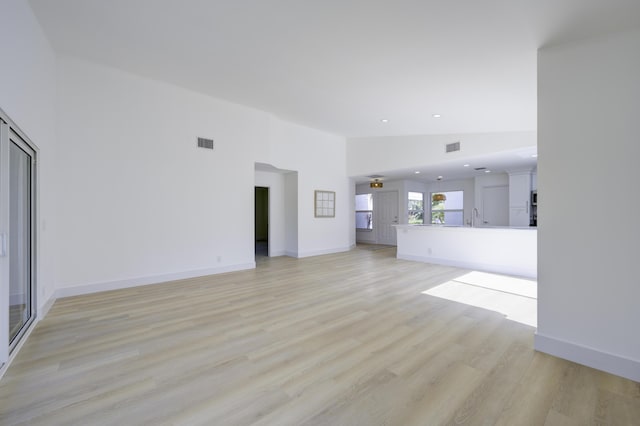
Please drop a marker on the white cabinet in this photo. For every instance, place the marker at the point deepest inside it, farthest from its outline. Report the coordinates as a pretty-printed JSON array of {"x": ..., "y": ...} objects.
[{"x": 519, "y": 198}]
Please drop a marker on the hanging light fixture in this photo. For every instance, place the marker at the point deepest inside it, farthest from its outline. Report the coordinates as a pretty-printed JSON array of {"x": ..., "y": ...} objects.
[
  {"x": 438, "y": 197},
  {"x": 376, "y": 184}
]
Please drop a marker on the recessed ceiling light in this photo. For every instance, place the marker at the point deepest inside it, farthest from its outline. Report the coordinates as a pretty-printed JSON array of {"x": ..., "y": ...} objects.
[
  {"x": 466, "y": 165},
  {"x": 436, "y": 115},
  {"x": 384, "y": 120},
  {"x": 534, "y": 155},
  {"x": 417, "y": 172},
  {"x": 487, "y": 171},
  {"x": 439, "y": 177}
]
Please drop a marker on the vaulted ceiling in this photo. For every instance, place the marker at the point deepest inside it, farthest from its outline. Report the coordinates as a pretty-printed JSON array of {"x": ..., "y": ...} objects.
[{"x": 341, "y": 65}]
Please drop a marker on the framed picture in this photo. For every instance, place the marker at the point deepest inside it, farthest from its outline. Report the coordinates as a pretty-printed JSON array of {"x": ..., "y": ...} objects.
[{"x": 324, "y": 203}]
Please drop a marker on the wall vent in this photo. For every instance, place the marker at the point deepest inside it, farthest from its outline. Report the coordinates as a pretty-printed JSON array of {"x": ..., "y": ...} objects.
[
  {"x": 205, "y": 143},
  {"x": 453, "y": 147}
]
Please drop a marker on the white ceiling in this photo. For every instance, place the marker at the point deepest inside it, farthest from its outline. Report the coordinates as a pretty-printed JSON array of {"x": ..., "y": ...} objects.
[
  {"x": 342, "y": 65},
  {"x": 502, "y": 162}
]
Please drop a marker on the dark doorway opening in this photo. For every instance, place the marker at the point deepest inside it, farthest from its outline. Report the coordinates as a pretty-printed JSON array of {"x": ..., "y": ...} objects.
[{"x": 262, "y": 221}]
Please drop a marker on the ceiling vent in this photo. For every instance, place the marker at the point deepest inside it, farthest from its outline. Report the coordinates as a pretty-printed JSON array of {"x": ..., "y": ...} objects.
[
  {"x": 480, "y": 168},
  {"x": 375, "y": 176},
  {"x": 205, "y": 143},
  {"x": 453, "y": 147}
]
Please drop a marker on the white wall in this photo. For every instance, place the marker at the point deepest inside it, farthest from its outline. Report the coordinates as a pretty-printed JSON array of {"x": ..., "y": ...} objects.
[
  {"x": 588, "y": 127},
  {"x": 27, "y": 95},
  {"x": 291, "y": 213},
  {"x": 320, "y": 160},
  {"x": 499, "y": 250},
  {"x": 141, "y": 203},
  {"x": 140, "y": 199},
  {"x": 381, "y": 154},
  {"x": 352, "y": 208}
]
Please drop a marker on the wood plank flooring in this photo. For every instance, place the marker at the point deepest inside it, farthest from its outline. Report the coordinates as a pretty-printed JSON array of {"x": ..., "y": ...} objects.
[{"x": 345, "y": 339}]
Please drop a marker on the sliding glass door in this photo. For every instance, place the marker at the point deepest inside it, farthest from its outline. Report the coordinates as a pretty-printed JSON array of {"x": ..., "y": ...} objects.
[
  {"x": 20, "y": 238},
  {"x": 17, "y": 236}
]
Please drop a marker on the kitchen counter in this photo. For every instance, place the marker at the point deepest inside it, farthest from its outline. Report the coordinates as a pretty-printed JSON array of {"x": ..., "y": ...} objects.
[{"x": 506, "y": 250}]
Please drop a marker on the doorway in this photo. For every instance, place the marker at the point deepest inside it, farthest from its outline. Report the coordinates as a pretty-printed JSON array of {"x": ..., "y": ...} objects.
[
  {"x": 261, "y": 221},
  {"x": 495, "y": 205},
  {"x": 386, "y": 209},
  {"x": 17, "y": 236}
]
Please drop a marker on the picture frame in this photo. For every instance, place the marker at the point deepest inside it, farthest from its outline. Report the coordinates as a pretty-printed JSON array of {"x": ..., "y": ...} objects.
[{"x": 324, "y": 203}]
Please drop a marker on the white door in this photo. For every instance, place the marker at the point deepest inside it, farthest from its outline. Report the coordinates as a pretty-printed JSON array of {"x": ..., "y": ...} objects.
[
  {"x": 386, "y": 209},
  {"x": 495, "y": 206}
]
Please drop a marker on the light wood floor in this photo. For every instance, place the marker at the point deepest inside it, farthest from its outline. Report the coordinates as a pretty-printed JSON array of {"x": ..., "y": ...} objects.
[{"x": 347, "y": 339}]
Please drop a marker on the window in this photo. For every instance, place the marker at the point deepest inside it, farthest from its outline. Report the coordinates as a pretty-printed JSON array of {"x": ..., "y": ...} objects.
[
  {"x": 416, "y": 208},
  {"x": 447, "y": 208},
  {"x": 364, "y": 212}
]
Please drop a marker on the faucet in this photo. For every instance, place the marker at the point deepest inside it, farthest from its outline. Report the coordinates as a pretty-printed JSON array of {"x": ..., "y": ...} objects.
[{"x": 474, "y": 215}]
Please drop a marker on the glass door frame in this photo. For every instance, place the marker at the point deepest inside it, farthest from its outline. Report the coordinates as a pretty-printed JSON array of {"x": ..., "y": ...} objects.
[{"x": 11, "y": 134}]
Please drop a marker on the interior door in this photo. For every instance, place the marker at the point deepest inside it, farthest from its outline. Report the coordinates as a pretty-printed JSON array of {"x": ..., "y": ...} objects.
[
  {"x": 495, "y": 206},
  {"x": 386, "y": 206}
]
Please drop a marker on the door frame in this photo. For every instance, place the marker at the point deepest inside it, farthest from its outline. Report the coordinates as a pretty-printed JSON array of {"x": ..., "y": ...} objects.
[
  {"x": 268, "y": 191},
  {"x": 10, "y": 133}
]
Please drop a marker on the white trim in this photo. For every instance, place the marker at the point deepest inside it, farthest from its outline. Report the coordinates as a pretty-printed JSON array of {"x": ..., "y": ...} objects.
[
  {"x": 485, "y": 267},
  {"x": 153, "y": 279},
  {"x": 614, "y": 364},
  {"x": 40, "y": 315},
  {"x": 311, "y": 253},
  {"x": 44, "y": 310},
  {"x": 277, "y": 253},
  {"x": 21, "y": 342},
  {"x": 291, "y": 253}
]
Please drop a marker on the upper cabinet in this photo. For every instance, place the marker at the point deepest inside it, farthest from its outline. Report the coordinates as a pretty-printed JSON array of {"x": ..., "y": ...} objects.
[{"x": 519, "y": 198}]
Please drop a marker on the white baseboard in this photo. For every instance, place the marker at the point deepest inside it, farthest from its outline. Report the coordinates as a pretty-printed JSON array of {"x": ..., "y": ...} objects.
[
  {"x": 154, "y": 279},
  {"x": 276, "y": 253},
  {"x": 498, "y": 269},
  {"x": 614, "y": 364},
  {"x": 44, "y": 310},
  {"x": 310, "y": 253},
  {"x": 291, "y": 253}
]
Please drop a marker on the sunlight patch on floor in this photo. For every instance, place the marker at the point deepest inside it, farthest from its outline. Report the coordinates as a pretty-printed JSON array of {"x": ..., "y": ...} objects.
[{"x": 515, "y": 298}]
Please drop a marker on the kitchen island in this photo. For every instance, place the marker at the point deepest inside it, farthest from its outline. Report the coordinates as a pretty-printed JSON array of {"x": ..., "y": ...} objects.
[{"x": 503, "y": 250}]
